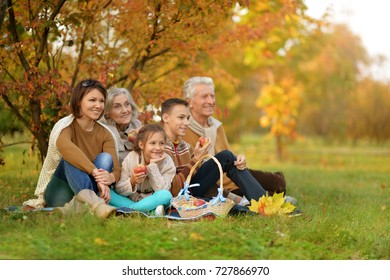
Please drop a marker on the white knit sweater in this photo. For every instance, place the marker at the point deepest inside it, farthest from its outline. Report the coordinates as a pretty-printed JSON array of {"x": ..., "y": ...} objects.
[{"x": 51, "y": 162}]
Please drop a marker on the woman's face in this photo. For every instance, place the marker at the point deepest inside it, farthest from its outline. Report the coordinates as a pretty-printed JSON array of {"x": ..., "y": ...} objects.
[
  {"x": 154, "y": 146},
  {"x": 92, "y": 105},
  {"x": 121, "y": 110}
]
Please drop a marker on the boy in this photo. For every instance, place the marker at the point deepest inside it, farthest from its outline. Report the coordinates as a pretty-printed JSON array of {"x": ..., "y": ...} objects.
[{"x": 175, "y": 116}]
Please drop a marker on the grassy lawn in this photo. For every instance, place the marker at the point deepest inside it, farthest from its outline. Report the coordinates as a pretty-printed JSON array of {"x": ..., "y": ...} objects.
[{"x": 344, "y": 193}]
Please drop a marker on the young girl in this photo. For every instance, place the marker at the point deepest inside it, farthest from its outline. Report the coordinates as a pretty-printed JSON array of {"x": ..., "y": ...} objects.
[{"x": 146, "y": 189}]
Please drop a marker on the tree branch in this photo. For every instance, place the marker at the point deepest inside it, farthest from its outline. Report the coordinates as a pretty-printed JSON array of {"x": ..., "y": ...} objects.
[
  {"x": 15, "y": 36},
  {"x": 107, "y": 4},
  {"x": 45, "y": 34},
  {"x": 179, "y": 65},
  {"x": 8, "y": 73},
  {"x": 16, "y": 112},
  {"x": 79, "y": 58},
  {"x": 3, "y": 10}
]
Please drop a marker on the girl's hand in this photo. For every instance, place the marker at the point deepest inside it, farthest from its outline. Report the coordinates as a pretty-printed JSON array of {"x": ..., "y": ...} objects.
[
  {"x": 240, "y": 162},
  {"x": 137, "y": 178},
  {"x": 158, "y": 159}
]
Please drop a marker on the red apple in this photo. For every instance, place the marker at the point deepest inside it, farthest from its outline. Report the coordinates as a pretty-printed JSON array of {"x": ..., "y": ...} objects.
[
  {"x": 203, "y": 141},
  {"x": 140, "y": 169},
  {"x": 132, "y": 136},
  {"x": 199, "y": 202}
]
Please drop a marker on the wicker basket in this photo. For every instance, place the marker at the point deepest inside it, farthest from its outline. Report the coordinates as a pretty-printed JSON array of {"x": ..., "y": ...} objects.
[{"x": 184, "y": 202}]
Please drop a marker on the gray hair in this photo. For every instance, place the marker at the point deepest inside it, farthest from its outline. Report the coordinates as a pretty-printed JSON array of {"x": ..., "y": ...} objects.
[
  {"x": 189, "y": 85},
  {"x": 114, "y": 92}
]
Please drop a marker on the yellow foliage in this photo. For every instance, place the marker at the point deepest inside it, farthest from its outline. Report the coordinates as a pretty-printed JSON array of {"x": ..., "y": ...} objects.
[
  {"x": 280, "y": 103},
  {"x": 271, "y": 205},
  {"x": 100, "y": 241},
  {"x": 264, "y": 121}
]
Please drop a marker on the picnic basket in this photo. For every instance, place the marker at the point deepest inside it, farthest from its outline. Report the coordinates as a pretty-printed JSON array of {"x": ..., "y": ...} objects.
[{"x": 184, "y": 202}]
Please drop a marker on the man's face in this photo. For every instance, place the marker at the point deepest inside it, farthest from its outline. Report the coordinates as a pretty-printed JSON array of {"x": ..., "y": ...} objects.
[{"x": 202, "y": 105}]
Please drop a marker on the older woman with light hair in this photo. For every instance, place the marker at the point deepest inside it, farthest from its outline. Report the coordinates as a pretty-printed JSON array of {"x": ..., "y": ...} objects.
[{"x": 120, "y": 115}]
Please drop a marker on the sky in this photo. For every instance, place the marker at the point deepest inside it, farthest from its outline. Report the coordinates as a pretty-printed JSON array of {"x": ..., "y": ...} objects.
[{"x": 368, "y": 19}]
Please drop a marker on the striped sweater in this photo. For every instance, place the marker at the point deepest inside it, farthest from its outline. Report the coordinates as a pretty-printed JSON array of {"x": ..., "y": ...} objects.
[{"x": 182, "y": 154}]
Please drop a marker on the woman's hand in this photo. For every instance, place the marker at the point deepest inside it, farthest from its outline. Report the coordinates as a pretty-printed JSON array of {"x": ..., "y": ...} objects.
[
  {"x": 103, "y": 176},
  {"x": 104, "y": 192},
  {"x": 240, "y": 162}
]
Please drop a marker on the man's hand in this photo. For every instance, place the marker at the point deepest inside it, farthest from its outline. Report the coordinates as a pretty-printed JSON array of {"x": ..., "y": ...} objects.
[{"x": 240, "y": 162}]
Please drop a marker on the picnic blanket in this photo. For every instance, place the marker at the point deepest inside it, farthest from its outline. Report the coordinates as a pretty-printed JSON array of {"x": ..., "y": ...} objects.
[
  {"x": 172, "y": 215},
  {"x": 121, "y": 211}
]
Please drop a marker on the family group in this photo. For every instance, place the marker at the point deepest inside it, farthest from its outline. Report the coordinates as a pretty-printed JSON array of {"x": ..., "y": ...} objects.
[{"x": 102, "y": 156}]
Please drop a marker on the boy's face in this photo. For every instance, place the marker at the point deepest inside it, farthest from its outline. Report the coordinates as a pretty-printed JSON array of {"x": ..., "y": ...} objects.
[{"x": 176, "y": 121}]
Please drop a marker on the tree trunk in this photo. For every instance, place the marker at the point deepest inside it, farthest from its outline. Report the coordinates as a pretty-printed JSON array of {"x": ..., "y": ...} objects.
[
  {"x": 39, "y": 133},
  {"x": 279, "y": 147}
]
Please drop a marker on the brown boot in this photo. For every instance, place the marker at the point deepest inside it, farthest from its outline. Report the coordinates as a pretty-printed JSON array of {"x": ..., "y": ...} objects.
[
  {"x": 72, "y": 207},
  {"x": 97, "y": 205},
  {"x": 273, "y": 182}
]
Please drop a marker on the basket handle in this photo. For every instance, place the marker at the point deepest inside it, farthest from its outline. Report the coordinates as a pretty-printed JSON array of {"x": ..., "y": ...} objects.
[{"x": 199, "y": 162}]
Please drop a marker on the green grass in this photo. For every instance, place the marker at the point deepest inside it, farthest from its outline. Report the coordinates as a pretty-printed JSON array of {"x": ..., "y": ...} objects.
[{"x": 343, "y": 191}]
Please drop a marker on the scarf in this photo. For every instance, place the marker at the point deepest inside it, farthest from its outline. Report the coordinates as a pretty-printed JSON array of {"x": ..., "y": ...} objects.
[{"x": 210, "y": 132}]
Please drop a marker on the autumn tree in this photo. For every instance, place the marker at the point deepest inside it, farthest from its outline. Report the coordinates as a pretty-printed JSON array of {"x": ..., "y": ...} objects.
[
  {"x": 149, "y": 47},
  {"x": 367, "y": 111},
  {"x": 269, "y": 57},
  {"x": 330, "y": 77}
]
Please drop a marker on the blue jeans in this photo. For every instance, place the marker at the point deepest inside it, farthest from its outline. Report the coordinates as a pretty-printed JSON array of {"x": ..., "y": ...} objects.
[
  {"x": 68, "y": 180},
  {"x": 148, "y": 203},
  {"x": 208, "y": 175}
]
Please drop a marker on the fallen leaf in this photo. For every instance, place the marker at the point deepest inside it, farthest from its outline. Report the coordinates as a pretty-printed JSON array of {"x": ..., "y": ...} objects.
[{"x": 195, "y": 236}]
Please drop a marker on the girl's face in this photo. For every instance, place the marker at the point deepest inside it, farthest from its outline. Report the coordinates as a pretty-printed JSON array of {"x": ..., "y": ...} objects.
[
  {"x": 153, "y": 148},
  {"x": 92, "y": 105},
  {"x": 121, "y": 110}
]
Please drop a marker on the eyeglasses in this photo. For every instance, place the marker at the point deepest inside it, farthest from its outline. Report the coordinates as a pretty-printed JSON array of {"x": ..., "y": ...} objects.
[{"x": 89, "y": 83}]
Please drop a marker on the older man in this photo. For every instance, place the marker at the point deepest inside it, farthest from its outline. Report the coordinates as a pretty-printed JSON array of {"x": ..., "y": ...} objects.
[{"x": 199, "y": 92}]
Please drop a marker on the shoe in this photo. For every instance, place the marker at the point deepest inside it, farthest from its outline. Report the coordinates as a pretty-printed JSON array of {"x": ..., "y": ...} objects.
[
  {"x": 244, "y": 202},
  {"x": 291, "y": 199},
  {"x": 160, "y": 211},
  {"x": 239, "y": 210},
  {"x": 295, "y": 213}
]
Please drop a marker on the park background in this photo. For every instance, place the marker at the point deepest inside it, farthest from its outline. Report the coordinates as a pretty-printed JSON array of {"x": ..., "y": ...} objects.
[{"x": 294, "y": 92}]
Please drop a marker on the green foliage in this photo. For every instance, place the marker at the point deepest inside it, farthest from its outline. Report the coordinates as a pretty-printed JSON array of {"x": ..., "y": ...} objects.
[
  {"x": 8, "y": 122},
  {"x": 342, "y": 191}
]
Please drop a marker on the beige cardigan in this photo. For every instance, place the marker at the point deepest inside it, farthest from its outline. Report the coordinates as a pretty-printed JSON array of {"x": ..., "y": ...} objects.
[
  {"x": 51, "y": 162},
  {"x": 159, "y": 177}
]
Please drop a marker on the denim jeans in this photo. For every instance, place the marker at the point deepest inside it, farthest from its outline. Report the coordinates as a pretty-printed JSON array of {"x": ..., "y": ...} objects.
[
  {"x": 208, "y": 175},
  {"x": 68, "y": 180},
  {"x": 148, "y": 203}
]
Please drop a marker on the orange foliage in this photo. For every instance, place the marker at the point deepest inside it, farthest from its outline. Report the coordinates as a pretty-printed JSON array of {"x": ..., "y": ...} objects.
[{"x": 149, "y": 47}]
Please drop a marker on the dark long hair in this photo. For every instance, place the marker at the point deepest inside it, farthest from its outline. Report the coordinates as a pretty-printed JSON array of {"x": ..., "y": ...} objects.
[{"x": 80, "y": 90}]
